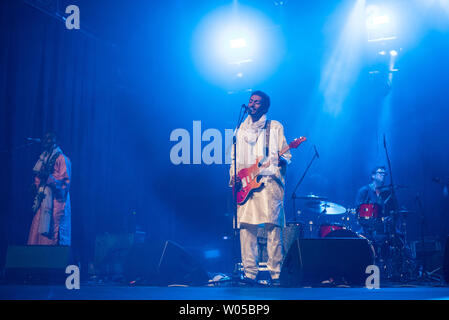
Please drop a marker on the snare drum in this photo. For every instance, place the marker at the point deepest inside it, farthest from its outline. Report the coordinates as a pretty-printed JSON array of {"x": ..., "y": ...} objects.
[
  {"x": 369, "y": 211},
  {"x": 325, "y": 229}
]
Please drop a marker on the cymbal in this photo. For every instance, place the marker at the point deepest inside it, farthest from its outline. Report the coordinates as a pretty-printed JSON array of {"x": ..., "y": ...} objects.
[
  {"x": 405, "y": 212},
  {"x": 331, "y": 208},
  {"x": 312, "y": 197}
]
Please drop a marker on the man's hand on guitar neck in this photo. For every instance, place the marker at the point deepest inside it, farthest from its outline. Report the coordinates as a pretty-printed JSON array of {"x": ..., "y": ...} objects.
[
  {"x": 282, "y": 164},
  {"x": 237, "y": 182}
]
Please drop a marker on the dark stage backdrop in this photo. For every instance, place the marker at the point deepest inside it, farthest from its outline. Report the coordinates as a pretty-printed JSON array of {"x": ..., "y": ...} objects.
[
  {"x": 56, "y": 80},
  {"x": 115, "y": 90}
]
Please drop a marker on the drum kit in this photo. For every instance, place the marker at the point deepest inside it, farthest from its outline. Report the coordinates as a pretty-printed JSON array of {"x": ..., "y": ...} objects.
[{"x": 385, "y": 233}]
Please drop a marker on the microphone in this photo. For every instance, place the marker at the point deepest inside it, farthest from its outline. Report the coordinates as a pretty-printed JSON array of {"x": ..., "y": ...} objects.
[
  {"x": 247, "y": 109},
  {"x": 440, "y": 180},
  {"x": 34, "y": 139},
  {"x": 316, "y": 152},
  {"x": 436, "y": 179}
]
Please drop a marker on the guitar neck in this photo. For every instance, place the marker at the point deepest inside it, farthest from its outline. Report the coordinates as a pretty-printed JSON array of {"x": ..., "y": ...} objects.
[
  {"x": 293, "y": 145},
  {"x": 284, "y": 150}
]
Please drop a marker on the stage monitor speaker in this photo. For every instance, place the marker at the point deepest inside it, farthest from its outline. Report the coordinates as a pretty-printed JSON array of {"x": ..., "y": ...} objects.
[
  {"x": 163, "y": 263},
  {"x": 177, "y": 267},
  {"x": 446, "y": 261},
  {"x": 111, "y": 251},
  {"x": 37, "y": 264},
  {"x": 141, "y": 263},
  {"x": 309, "y": 262}
]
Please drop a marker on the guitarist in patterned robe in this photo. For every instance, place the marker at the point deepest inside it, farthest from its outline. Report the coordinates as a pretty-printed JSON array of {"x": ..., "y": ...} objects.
[
  {"x": 264, "y": 207},
  {"x": 51, "y": 224}
]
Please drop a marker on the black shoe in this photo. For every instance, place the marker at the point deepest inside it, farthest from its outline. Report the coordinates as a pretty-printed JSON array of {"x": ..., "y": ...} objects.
[
  {"x": 275, "y": 283},
  {"x": 247, "y": 282}
]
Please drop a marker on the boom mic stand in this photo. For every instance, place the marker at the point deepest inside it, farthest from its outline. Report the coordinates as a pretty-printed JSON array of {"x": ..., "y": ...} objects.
[
  {"x": 17, "y": 147},
  {"x": 235, "y": 225},
  {"x": 294, "y": 197},
  {"x": 392, "y": 186}
]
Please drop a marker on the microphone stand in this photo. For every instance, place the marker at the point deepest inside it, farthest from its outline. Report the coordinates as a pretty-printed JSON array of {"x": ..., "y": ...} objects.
[
  {"x": 17, "y": 147},
  {"x": 392, "y": 186},
  {"x": 294, "y": 197},
  {"x": 394, "y": 233},
  {"x": 235, "y": 226},
  {"x": 421, "y": 211},
  {"x": 392, "y": 196},
  {"x": 444, "y": 231}
]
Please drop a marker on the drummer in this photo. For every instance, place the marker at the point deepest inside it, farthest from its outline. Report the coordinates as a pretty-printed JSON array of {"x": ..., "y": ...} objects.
[
  {"x": 377, "y": 193},
  {"x": 373, "y": 192}
]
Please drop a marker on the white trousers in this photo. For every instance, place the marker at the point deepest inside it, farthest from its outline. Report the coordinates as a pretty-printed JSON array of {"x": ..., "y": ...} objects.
[{"x": 249, "y": 249}]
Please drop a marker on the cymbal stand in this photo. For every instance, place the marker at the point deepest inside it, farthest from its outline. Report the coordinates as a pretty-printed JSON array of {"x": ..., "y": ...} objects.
[{"x": 392, "y": 232}]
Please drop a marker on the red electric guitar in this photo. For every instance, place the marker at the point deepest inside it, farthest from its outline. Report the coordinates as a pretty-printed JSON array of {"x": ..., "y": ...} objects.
[{"x": 250, "y": 176}]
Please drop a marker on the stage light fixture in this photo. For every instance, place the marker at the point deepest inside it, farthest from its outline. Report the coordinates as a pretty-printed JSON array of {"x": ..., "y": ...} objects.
[
  {"x": 380, "y": 23},
  {"x": 375, "y": 21},
  {"x": 279, "y": 3},
  {"x": 244, "y": 47},
  {"x": 237, "y": 43}
]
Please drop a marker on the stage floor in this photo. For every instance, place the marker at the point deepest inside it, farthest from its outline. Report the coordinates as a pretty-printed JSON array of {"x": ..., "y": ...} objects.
[{"x": 121, "y": 292}]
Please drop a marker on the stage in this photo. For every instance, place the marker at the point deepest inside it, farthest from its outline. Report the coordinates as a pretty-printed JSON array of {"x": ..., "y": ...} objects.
[
  {"x": 298, "y": 146},
  {"x": 123, "y": 292}
]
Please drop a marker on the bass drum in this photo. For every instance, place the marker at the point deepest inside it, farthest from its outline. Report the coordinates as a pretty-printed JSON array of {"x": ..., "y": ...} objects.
[
  {"x": 345, "y": 233},
  {"x": 327, "y": 228}
]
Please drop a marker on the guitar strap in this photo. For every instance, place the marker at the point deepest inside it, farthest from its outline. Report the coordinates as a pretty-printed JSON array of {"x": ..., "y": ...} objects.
[
  {"x": 267, "y": 137},
  {"x": 47, "y": 168}
]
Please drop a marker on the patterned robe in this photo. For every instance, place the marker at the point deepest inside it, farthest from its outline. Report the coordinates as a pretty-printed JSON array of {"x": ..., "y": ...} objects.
[{"x": 51, "y": 224}]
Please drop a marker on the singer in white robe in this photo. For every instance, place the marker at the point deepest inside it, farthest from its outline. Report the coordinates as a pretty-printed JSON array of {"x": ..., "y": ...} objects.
[{"x": 264, "y": 207}]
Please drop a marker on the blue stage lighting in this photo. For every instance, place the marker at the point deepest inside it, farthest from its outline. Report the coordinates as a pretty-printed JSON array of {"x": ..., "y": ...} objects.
[
  {"x": 340, "y": 71},
  {"x": 211, "y": 254},
  {"x": 235, "y": 40}
]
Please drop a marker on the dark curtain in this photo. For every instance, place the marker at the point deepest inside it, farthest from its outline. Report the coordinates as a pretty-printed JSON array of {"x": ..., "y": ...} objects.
[{"x": 60, "y": 80}]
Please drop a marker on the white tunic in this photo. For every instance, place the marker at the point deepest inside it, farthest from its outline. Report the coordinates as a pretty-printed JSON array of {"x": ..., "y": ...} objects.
[{"x": 266, "y": 205}]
